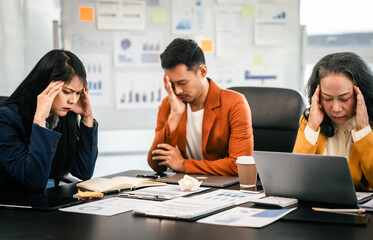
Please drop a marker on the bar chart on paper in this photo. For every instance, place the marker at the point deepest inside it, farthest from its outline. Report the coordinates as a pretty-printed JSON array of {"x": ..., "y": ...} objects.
[
  {"x": 97, "y": 67},
  {"x": 140, "y": 90},
  {"x": 263, "y": 76}
]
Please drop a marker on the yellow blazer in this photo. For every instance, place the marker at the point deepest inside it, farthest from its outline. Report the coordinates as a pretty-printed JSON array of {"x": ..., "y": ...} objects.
[
  {"x": 226, "y": 133},
  {"x": 360, "y": 160}
]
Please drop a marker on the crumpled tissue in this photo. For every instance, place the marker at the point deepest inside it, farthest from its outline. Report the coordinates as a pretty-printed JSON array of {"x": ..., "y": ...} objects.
[{"x": 189, "y": 183}]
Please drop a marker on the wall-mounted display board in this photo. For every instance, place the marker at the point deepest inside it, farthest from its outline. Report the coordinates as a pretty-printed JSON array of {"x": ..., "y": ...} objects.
[{"x": 246, "y": 42}]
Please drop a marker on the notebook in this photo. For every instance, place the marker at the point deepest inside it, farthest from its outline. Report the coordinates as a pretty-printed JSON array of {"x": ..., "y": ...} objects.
[
  {"x": 314, "y": 178},
  {"x": 37, "y": 202},
  {"x": 207, "y": 180},
  {"x": 116, "y": 184}
]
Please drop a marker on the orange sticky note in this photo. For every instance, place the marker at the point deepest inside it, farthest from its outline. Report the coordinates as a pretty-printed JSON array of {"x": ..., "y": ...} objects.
[
  {"x": 89, "y": 194},
  {"x": 207, "y": 45},
  {"x": 86, "y": 14}
]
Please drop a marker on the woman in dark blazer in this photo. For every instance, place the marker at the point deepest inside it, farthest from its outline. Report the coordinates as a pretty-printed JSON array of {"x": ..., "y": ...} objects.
[{"x": 47, "y": 128}]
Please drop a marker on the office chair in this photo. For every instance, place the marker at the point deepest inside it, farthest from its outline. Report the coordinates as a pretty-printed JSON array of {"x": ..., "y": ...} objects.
[{"x": 275, "y": 116}]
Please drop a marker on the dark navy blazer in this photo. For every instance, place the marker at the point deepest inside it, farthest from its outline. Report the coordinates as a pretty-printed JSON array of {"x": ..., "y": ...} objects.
[{"x": 25, "y": 162}]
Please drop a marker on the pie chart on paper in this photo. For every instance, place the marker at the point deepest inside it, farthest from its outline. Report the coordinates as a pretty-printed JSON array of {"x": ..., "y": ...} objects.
[{"x": 126, "y": 43}]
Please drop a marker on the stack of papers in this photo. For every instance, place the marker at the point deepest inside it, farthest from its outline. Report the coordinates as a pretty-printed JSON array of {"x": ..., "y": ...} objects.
[
  {"x": 368, "y": 206},
  {"x": 191, "y": 208},
  {"x": 183, "y": 208},
  {"x": 163, "y": 192}
]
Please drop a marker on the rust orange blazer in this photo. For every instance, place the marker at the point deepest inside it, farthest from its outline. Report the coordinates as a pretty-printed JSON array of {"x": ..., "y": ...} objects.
[{"x": 226, "y": 133}]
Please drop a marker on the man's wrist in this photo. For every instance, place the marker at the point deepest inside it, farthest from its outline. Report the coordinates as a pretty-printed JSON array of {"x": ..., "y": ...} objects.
[{"x": 173, "y": 121}]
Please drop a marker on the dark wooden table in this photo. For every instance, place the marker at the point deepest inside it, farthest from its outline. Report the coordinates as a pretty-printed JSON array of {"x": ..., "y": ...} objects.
[{"x": 29, "y": 224}]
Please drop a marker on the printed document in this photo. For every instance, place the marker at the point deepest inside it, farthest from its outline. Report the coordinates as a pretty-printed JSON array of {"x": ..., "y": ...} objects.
[
  {"x": 108, "y": 207},
  {"x": 182, "y": 208},
  {"x": 368, "y": 206},
  {"x": 163, "y": 192},
  {"x": 246, "y": 217},
  {"x": 229, "y": 196}
]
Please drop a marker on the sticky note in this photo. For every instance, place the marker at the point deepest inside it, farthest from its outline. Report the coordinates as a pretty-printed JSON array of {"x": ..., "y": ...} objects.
[
  {"x": 86, "y": 14},
  {"x": 89, "y": 194},
  {"x": 159, "y": 16},
  {"x": 207, "y": 45},
  {"x": 258, "y": 60},
  {"x": 247, "y": 11}
]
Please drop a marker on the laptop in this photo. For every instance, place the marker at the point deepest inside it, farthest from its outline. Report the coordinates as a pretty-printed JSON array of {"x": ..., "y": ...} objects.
[
  {"x": 37, "y": 201},
  {"x": 313, "y": 178},
  {"x": 207, "y": 180}
]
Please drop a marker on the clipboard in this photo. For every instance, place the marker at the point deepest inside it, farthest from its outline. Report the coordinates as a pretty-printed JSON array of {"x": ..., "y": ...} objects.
[{"x": 187, "y": 209}]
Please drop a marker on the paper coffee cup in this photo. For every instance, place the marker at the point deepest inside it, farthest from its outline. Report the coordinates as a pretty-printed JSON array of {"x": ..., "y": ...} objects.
[{"x": 247, "y": 173}]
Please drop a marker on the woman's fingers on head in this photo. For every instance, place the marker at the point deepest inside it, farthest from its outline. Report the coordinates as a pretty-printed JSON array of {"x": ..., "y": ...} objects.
[
  {"x": 53, "y": 84},
  {"x": 55, "y": 89},
  {"x": 85, "y": 90},
  {"x": 359, "y": 96},
  {"x": 357, "y": 91}
]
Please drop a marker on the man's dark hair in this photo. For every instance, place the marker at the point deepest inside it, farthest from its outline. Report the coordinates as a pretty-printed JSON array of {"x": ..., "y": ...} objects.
[{"x": 182, "y": 51}]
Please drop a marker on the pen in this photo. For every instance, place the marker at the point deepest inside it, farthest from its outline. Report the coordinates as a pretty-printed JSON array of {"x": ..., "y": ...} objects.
[
  {"x": 354, "y": 210},
  {"x": 147, "y": 197},
  {"x": 148, "y": 176},
  {"x": 113, "y": 191}
]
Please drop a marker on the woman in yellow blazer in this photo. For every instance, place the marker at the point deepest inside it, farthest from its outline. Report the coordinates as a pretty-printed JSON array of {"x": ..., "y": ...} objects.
[{"x": 338, "y": 122}]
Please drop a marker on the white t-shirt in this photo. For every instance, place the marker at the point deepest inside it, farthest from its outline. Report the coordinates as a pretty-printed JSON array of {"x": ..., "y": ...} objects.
[{"x": 194, "y": 133}]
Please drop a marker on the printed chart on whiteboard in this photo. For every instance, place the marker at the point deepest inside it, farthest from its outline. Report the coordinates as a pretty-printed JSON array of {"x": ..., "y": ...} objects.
[
  {"x": 134, "y": 90},
  {"x": 137, "y": 49},
  {"x": 97, "y": 67}
]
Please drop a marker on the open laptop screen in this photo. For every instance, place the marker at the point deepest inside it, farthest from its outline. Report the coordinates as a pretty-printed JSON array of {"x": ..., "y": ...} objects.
[{"x": 315, "y": 178}]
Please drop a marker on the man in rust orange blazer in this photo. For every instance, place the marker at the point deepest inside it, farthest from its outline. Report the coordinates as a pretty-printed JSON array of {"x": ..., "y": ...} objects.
[{"x": 201, "y": 128}]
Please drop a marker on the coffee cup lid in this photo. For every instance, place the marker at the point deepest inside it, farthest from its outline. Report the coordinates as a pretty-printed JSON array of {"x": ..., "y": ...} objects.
[{"x": 245, "y": 160}]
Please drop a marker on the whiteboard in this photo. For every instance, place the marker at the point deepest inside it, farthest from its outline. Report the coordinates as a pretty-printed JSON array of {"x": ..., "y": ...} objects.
[{"x": 242, "y": 51}]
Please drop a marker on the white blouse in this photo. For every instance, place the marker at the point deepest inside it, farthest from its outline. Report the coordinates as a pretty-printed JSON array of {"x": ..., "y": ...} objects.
[{"x": 340, "y": 143}]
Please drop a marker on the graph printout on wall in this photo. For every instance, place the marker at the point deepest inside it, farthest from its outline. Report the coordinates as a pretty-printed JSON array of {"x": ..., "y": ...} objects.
[
  {"x": 139, "y": 90},
  {"x": 98, "y": 70},
  {"x": 137, "y": 49}
]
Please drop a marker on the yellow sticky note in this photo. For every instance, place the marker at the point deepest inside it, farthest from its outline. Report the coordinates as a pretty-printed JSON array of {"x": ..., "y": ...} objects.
[
  {"x": 159, "y": 16},
  {"x": 86, "y": 14},
  {"x": 207, "y": 45},
  {"x": 247, "y": 11},
  {"x": 258, "y": 60}
]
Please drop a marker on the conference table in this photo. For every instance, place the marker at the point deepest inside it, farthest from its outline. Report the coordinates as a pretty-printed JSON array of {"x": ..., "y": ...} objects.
[{"x": 32, "y": 224}]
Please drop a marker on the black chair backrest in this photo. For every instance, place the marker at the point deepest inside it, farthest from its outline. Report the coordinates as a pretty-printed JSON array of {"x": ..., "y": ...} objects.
[
  {"x": 275, "y": 116},
  {"x": 3, "y": 99}
]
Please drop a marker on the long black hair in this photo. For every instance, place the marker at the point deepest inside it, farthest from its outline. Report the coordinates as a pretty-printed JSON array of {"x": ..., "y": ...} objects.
[
  {"x": 56, "y": 65},
  {"x": 354, "y": 68}
]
